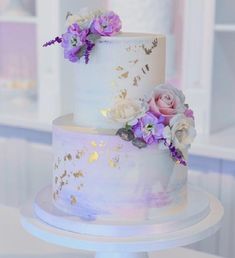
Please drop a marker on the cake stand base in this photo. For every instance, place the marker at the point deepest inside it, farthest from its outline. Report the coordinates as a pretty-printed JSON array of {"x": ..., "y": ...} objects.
[{"x": 135, "y": 246}]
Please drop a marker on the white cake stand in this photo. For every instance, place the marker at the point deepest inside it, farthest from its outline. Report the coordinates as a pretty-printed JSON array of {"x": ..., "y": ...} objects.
[{"x": 135, "y": 246}]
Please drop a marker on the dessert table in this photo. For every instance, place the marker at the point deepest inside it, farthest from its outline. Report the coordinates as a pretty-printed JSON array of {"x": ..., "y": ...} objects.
[{"x": 15, "y": 242}]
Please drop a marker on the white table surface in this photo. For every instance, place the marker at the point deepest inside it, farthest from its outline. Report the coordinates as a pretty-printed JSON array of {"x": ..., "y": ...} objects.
[{"x": 16, "y": 243}]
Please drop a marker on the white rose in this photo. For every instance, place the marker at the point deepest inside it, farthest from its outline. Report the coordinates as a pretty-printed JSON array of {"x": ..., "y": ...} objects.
[
  {"x": 84, "y": 17},
  {"x": 126, "y": 110},
  {"x": 182, "y": 131}
]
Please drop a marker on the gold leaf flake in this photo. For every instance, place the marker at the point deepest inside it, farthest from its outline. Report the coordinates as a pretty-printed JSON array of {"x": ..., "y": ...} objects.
[
  {"x": 123, "y": 94},
  {"x": 93, "y": 143},
  {"x": 119, "y": 68},
  {"x": 145, "y": 69},
  {"x": 113, "y": 163},
  {"x": 61, "y": 185},
  {"x": 104, "y": 112},
  {"x": 136, "y": 79},
  {"x": 78, "y": 174},
  {"x": 79, "y": 154},
  {"x": 73, "y": 200},
  {"x": 64, "y": 174},
  {"x": 69, "y": 157},
  {"x": 124, "y": 75},
  {"x": 93, "y": 157},
  {"x": 134, "y": 61},
  {"x": 54, "y": 196},
  {"x": 149, "y": 51},
  {"x": 79, "y": 187}
]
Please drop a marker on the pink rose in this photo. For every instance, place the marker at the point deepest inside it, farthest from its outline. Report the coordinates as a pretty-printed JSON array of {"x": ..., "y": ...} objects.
[{"x": 167, "y": 101}]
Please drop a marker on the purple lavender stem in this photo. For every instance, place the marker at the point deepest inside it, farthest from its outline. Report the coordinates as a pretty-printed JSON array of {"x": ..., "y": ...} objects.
[
  {"x": 90, "y": 46},
  {"x": 175, "y": 153},
  {"x": 53, "y": 41}
]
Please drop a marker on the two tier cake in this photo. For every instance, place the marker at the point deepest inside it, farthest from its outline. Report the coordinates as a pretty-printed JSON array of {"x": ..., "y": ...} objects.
[{"x": 122, "y": 155}]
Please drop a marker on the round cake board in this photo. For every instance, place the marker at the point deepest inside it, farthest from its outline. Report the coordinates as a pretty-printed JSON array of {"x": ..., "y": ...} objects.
[{"x": 135, "y": 246}]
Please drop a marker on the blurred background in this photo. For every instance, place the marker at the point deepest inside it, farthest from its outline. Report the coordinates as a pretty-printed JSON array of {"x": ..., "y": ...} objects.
[{"x": 36, "y": 86}]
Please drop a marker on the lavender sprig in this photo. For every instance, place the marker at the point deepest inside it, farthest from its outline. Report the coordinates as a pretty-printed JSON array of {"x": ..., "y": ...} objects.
[
  {"x": 89, "y": 47},
  {"x": 53, "y": 41},
  {"x": 175, "y": 153}
]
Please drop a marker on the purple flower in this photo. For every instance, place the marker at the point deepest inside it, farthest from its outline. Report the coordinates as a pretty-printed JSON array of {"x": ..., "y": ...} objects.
[
  {"x": 189, "y": 113},
  {"x": 107, "y": 24},
  {"x": 72, "y": 42},
  {"x": 149, "y": 128}
]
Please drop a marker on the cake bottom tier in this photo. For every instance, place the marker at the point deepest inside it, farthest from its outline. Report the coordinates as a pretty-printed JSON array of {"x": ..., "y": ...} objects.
[{"x": 98, "y": 176}]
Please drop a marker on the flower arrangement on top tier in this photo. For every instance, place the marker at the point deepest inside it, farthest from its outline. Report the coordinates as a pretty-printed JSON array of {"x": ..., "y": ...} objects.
[
  {"x": 84, "y": 29},
  {"x": 164, "y": 119}
]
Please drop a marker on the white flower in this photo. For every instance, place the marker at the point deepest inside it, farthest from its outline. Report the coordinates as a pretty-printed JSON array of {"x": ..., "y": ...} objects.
[
  {"x": 182, "y": 131},
  {"x": 126, "y": 110},
  {"x": 84, "y": 17},
  {"x": 167, "y": 136}
]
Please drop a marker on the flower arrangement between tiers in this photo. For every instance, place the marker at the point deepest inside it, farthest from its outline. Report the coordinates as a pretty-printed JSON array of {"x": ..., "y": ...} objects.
[
  {"x": 164, "y": 119},
  {"x": 84, "y": 29}
]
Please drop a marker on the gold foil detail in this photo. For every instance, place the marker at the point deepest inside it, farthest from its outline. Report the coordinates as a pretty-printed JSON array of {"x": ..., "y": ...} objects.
[
  {"x": 61, "y": 185},
  {"x": 124, "y": 75},
  {"x": 136, "y": 80},
  {"x": 80, "y": 154},
  {"x": 73, "y": 200},
  {"x": 93, "y": 157},
  {"x": 145, "y": 69},
  {"x": 149, "y": 51},
  {"x": 54, "y": 196},
  {"x": 78, "y": 174},
  {"x": 119, "y": 68},
  {"x": 94, "y": 144},
  {"x": 68, "y": 157},
  {"x": 79, "y": 187},
  {"x": 123, "y": 94},
  {"x": 134, "y": 61},
  {"x": 114, "y": 162},
  {"x": 104, "y": 112},
  {"x": 64, "y": 174}
]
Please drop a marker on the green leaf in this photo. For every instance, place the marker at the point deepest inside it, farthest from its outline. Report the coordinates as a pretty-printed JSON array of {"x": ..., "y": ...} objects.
[{"x": 93, "y": 37}]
